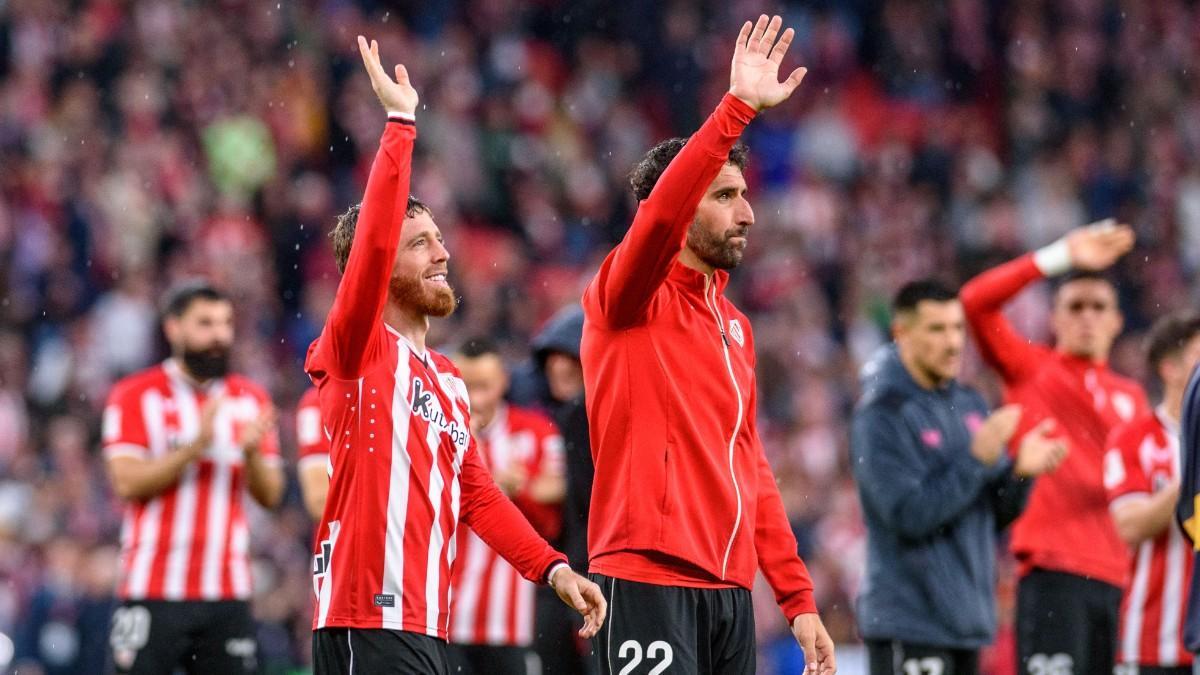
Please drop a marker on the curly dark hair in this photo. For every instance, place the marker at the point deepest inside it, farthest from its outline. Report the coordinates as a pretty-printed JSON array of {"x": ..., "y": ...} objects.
[
  {"x": 343, "y": 231},
  {"x": 645, "y": 174}
]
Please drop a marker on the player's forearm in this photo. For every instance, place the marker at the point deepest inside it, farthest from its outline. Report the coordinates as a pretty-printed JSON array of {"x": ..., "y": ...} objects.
[
  {"x": 991, "y": 290},
  {"x": 548, "y": 489},
  {"x": 1138, "y": 520},
  {"x": 264, "y": 480},
  {"x": 314, "y": 487},
  {"x": 136, "y": 478},
  {"x": 362, "y": 293},
  {"x": 501, "y": 526}
]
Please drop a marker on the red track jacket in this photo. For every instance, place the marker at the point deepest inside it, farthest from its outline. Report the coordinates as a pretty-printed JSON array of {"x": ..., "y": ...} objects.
[
  {"x": 683, "y": 494},
  {"x": 1066, "y": 526}
]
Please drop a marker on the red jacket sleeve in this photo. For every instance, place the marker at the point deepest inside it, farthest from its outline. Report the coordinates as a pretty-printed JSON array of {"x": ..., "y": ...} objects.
[
  {"x": 634, "y": 270},
  {"x": 774, "y": 542},
  {"x": 500, "y": 524},
  {"x": 347, "y": 343},
  {"x": 983, "y": 299}
]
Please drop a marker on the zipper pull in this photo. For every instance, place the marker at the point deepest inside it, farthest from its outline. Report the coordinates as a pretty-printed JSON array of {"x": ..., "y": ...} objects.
[{"x": 723, "y": 338}]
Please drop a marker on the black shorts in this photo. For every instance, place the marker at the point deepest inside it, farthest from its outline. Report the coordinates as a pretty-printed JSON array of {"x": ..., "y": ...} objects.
[
  {"x": 673, "y": 629},
  {"x": 492, "y": 660},
  {"x": 355, "y": 651},
  {"x": 892, "y": 657},
  {"x": 158, "y": 636},
  {"x": 1066, "y": 624}
]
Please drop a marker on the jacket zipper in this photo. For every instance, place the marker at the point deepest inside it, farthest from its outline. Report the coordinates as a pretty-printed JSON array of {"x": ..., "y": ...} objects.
[{"x": 712, "y": 306}]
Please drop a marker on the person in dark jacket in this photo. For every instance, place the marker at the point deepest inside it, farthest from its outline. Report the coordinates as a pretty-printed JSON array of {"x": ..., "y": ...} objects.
[
  {"x": 1186, "y": 512},
  {"x": 556, "y": 357},
  {"x": 936, "y": 485}
]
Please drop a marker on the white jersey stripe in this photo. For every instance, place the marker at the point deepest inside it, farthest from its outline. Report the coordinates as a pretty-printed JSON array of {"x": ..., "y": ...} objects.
[
  {"x": 467, "y": 598},
  {"x": 184, "y": 521},
  {"x": 437, "y": 538},
  {"x": 398, "y": 484},
  {"x": 217, "y": 521},
  {"x": 523, "y": 595},
  {"x": 239, "y": 566},
  {"x": 1135, "y": 612},
  {"x": 148, "y": 523},
  {"x": 500, "y": 594},
  {"x": 1172, "y": 592}
]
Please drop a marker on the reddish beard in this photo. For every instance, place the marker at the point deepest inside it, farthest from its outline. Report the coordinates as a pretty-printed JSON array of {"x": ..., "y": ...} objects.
[{"x": 412, "y": 293}]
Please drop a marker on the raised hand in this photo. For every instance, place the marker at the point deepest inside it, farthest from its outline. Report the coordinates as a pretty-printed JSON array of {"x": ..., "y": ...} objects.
[
  {"x": 396, "y": 96},
  {"x": 1097, "y": 246},
  {"x": 754, "y": 75},
  {"x": 988, "y": 443},
  {"x": 584, "y": 596},
  {"x": 1041, "y": 451}
]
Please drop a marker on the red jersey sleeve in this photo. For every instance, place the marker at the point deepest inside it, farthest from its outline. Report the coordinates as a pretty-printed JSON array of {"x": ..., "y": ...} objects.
[
  {"x": 500, "y": 524},
  {"x": 348, "y": 341},
  {"x": 123, "y": 428},
  {"x": 636, "y": 268},
  {"x": 1123, "y": 472},
  {"x": 774, "y": 542},
  {"x": 983, "y": 299},
  {"x": 310, "y": 434}
]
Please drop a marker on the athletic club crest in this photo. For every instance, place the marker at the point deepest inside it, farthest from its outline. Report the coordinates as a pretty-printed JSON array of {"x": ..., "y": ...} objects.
[{"x": 735, "y": 332}]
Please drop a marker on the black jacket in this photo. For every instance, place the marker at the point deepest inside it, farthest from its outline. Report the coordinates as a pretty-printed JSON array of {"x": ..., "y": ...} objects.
[{"x": 932, "y": 510}]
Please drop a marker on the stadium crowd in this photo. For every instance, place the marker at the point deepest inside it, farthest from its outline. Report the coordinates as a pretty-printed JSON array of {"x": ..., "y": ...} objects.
[{"x": 142, "y": 143}]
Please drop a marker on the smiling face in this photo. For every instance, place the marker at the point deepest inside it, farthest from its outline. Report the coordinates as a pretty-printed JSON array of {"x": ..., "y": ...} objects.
[
  {"x": 419, "y": 284},
  {"x": 717, "y": 236}
]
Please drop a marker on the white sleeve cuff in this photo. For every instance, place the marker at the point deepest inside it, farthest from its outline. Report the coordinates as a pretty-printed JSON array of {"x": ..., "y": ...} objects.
[
  {"x": 408, "y": 117},
  {"x": 1054, "y": 259}
]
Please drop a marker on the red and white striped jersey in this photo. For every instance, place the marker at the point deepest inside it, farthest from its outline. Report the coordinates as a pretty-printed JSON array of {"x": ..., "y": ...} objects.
[
  {"x": 492, "y": 604},
  {"x": 310, "y": 434},
  {"x": 191, "y": 541},
  {"x": 404, "y": 469},
  {"x": 1143, "y": 457}
]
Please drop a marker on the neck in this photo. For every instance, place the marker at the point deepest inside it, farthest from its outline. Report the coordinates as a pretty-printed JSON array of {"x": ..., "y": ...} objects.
[
  {"x": 688, "y": 258},
  {"x": 407, "y": 323},
  {"x": 922, "y": 377},
  {"x": 1098, "y": 359},
  {"x": 1173, "y": 402},
  {"x": 481, "y": 419},
  {"x": 189, "y": 375}
]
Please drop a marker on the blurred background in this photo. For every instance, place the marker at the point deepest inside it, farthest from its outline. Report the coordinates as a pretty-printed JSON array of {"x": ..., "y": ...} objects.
[{"x": 146, "y": 142}]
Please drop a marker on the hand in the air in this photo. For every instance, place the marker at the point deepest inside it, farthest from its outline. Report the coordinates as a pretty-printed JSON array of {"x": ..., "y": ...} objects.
[
  {"x": 1097, "y": 246},
  {"x": 396, "y": 96},
  {"x": 754, "y": 75}
]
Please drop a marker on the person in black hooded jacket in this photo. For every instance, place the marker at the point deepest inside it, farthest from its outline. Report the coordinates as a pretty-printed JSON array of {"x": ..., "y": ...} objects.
[
  {"x": 936, "y": 486},
  {"x": 558, "y": 384}
]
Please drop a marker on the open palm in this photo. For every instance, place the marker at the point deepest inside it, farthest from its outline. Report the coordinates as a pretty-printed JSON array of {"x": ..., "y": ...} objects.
[
  {"x": 754, "y": 75},
  {"x": 397, "y": 96}
]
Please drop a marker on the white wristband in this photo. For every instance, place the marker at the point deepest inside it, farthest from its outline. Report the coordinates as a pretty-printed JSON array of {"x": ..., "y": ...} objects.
[
  {"x": 553, "y": 569},
  {"x": 1054, "y": 259},
  {"x": 402, "y": 115}
]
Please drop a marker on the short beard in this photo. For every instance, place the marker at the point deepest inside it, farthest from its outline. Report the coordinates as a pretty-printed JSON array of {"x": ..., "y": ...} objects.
[
  {"x": 206, "y": 364},
  {"x": 410, "y": 293},
  {"x": 715, "y": 250}
]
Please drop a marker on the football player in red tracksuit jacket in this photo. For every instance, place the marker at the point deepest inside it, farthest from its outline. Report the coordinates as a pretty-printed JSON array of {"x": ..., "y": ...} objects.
[
  {"x": 1073, "y": 564},
  {"x": 684, "y": 506},
  {"x": 404, "y": 470}
]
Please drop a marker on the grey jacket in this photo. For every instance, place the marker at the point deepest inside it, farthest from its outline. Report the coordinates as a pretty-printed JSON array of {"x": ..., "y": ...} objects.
[{"x": 932, "y": 510}]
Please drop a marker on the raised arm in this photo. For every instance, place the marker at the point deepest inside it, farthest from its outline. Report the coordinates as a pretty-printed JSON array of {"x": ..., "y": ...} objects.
[
  {"x": 635, "y": 269},
  {"x": 347, "y": 342},
  {"x": 1092, "y": 247}
]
